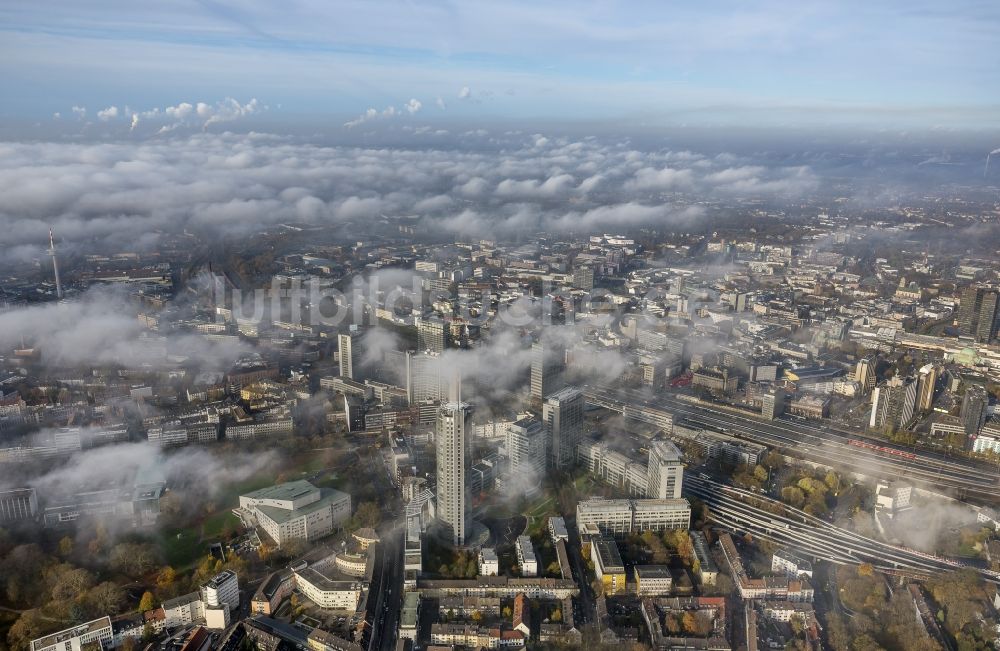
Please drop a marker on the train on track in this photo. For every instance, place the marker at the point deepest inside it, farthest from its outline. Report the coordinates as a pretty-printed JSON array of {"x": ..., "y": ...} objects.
[{"x": 881, "y": 449}]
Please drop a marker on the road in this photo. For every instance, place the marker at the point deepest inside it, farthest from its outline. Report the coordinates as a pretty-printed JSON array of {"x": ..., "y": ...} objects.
[
  {"x": 387, "y": 580},
  {"x": 818, "y": 443},
  {"x": 388, "y": 594},
  {"x": 741, "y": 510}
]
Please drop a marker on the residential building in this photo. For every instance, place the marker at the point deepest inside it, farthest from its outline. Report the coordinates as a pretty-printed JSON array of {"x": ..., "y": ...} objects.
[
  {"x": 489, "y": 563},
  {"x": 893, "y": 403},
  {"x": 557, "y": 529},
  {"x": 791, "y": 564},
  {"x": 526, "y": 559},
  {"x": 277, "y": 587}
]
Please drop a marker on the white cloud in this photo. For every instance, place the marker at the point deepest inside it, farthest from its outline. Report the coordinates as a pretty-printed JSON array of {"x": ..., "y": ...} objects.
[
  {"x": 440, "y": 103},
  {"x": 464, "y": 93},
  {"x": 667, "y": 178},
  {"x": 180, "y": 112},
  {"x": 370, "y": 114},
  {"x": 79, "y": 112},
  {"x": 109, "y": 113},
  {"x": 132, "y": 194},
  {"x": 413, "y": 106}
]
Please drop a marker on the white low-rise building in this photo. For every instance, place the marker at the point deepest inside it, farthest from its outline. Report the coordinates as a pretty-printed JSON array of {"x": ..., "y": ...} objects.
[
  {"x": 297, "y": 510},
  {"x": 557, "y": 529},
  {"x": 96, "y": 634},
  {"x": 526, "y": 559},
  {"x": 489, "y": 564},
  {"x": 323, "y": 584}
]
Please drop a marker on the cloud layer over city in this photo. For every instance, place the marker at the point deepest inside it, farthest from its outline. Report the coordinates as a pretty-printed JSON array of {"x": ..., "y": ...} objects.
[{"x": 107, "y": 195}]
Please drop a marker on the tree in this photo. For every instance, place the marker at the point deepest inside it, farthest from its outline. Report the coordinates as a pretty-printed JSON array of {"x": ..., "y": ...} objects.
[
  {"x": 29, "y": 626},
  {"x": 66, "y": 546},
  {"x": 148, "y": 602},
  {"x": 507, "y": 612},
  {"x": 166, "y": 577},
  {"x": 367, "y": 515},
  {"x": 476, "y": 616},
  {"x": 69, "y": 583},
  {"x": 793, "y": 495},
  {"x": 774, "y": 460},
  {"x": 689, "y": 622},
  {"x": 553, "y": 568},
  {"x": 105, "y": 599},
  {"x": 866, "y": 569},
  {"x": 132, "y": 559},
  {"x": 865, "y": 642},
  {"x": 556, "y": 615},
  {"x": 760, "y": 473}
]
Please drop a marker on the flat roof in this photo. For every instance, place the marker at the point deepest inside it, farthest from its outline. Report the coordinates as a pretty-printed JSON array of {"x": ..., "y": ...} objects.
[
  {"x": 327, "y": 497},
  {"x": 652, "y": 572},
  {"x": 76, "y": 631},
  {"x": 607, "y": 550},
  {"x": 287, "y": 491}
]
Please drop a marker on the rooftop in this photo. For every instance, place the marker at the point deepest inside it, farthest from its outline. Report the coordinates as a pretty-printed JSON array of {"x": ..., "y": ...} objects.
[
  {"x": 279, "y": 515},
  {"x": 70, "y": 633},
  {"x": 288, "y": 491}
]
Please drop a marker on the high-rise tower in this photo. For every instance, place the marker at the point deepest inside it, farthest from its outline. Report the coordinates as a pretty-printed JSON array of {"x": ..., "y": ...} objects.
[
  {"x": 55, "y": 264},
  {"x": 562, "y": 415},
  {"x": 454, "y": 430}
]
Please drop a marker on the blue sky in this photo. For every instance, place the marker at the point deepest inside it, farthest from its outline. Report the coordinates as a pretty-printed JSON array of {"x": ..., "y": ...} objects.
[{"x": 915, "y": 64}]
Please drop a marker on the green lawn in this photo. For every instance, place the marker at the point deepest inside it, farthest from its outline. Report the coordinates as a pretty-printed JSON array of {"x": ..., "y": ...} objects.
[
  {"x": 216, "y": 523},
  {"x": 182, "y": 547}
]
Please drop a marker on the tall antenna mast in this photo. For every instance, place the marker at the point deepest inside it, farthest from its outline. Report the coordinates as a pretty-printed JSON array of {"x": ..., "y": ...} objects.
[{"x": 55, "y": 265}]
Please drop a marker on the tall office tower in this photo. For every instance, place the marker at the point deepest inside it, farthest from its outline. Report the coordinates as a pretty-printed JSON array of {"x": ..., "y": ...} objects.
[
  {"x": 526, "y": 444},
  {"x": 583, "y": 277},
  {"x": 55, "y": 264},
  {"x": 454, "y": 429},
  {"x": 665, "y": 473},
  {"x": 548, "y": 363},
  {"x": 926, "y": 384},
  {"x": 562, "y": 414},
  {"x": 424, "y": 377},
  {"x": 974, "y": 406},
  {"x": 772, "y": 403},
  {"x": 433, "y": 334},
  {"x": 347, "y": 345},
  {"x": 978, "y": 315},
  {"x": 864, "y": 374},
  {"x": 893, "y": 403}
]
